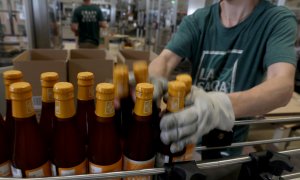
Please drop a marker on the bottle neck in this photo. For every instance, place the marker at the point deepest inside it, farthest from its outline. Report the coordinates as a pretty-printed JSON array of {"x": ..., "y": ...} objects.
[
  {"x": 143, "y": 107},
  {"x": 7, "y": 93},
  {"x": 105, "y": 108},
  {"x": 22, "y": 108},
  {"x": 85, "y": 93},
  {"x": 64, "y": 109},
  {"x": 47, "y": 94},
  {"x": 175, "y": 104},
  {"x": 121, "y": 89}
]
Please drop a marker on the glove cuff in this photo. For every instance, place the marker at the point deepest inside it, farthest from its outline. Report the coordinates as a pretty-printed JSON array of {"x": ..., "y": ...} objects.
[{"x": 223, "y": 110}]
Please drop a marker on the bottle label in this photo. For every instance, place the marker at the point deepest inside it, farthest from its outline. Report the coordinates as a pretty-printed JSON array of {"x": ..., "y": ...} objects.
[
  {"x": 190, "y": 149},
  {"x": 47, "y": 95},
  {"x": 137, "y": 165},
  {"x": 64, "y": 109},
  {"x": 77, "y": 170},
  {"x": 105, "y": 108},
  {"x": 42, "y": 171},
  {"x": 143, "y": 107},
  {"x": 85, "y": 93},
  {"x": 175, "y": 104},
  {"x": 5, "y": 169},
  {"x": 96, "y": 169}
]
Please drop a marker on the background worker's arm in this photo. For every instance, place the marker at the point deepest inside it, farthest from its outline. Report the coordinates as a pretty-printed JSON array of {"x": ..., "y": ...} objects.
[{"x": 103, "y": 24}]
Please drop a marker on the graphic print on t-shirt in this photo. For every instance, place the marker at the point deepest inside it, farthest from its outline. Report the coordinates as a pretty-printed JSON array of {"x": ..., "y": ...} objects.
[
  {"x": 89, "y": 16},
  {"x": 217, "y": 70}
]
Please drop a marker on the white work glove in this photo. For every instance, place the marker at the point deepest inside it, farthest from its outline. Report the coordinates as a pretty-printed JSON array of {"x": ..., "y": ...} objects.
[{"x": 203, "y": 113}]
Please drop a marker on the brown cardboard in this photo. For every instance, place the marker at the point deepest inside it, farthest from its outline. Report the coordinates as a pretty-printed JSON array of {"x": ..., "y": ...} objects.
[
  {"x": 129, "y": 56},
  {"x": 99, "y": 62},
  {"x": 34, "y": 62}
]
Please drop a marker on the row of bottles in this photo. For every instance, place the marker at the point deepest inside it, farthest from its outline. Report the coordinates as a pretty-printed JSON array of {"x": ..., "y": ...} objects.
[{"x": 90, "y": 138}]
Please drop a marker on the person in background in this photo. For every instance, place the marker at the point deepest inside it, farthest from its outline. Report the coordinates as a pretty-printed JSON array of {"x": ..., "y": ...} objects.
[
  {"x": 243, "y": 65},
  {"x": 86, "y": 23}
]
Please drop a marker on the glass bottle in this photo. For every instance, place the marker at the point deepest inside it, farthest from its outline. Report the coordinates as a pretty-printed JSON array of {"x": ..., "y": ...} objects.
[
  {"x": 10, "y": 77},
  {"x": 4, "y": 151},
  {"x": 175, "y": 103},
  {"x": 48, "y": 79},
  {"x": 139, "y": 146},
  {"x": 85, "y": 103},
  {"x": 121, "y": 82},
  {"x": 187, "y": 80},
  {"x": 30, "y": 158},
  {"x": 105, "y": 153},
  {"x": 68, "y": 148}
]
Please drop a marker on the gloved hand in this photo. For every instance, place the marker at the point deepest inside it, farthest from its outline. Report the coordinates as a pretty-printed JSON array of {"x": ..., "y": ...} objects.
[
  {"x": 160, "y": 86},
  {"x": 204, "y": 112}
]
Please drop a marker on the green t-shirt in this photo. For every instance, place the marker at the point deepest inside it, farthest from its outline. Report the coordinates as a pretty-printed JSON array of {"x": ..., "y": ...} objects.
[
  {"x": 235, "y": 59},
  {"x": 88, "y": 18}
]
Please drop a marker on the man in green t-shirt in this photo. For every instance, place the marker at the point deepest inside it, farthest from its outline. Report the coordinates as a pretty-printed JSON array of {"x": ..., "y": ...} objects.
[
  {"x": 243, "y": 65},
  {"x": 86, "y": 21}
]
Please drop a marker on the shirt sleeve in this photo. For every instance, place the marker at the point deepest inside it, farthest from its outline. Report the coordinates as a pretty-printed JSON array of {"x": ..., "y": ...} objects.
[
  {"x": 75, "y": 18},
  {"x": 100, "y": 16},
  {"x": 183, "y": 40},
  {"x": 281, "y": 43}
]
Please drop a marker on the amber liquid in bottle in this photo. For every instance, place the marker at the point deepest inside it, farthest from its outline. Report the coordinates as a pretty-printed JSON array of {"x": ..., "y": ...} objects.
[
  {"x": 10, "y": 77},
  {"x": 139, "y": 147},
  {"x": 4, "y": 151},
  {"x": 47, "y": 119},
  {"x": 85, "y": 104},
  {"x": 104, "y": 151},
  {"x": 124, "y": 114},
  {"x": 141, "y": 75},
  {"x": 187, "y": 80},
  {"x": 30, "y": 158},
  {"x": 176, "y": 91},
  {"x": 68, "y": 148}
]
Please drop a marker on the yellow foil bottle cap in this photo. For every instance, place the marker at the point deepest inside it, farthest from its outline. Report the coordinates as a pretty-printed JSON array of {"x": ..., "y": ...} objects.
[
  {"x": 48, "y": 79},
  {"x": 187, "y": 80},
  {"x": 140, "y": 69},
  {"x": 105, "y": 100},
  {"x": 144, "y": 91},
  {"x": 85, "y": 79},
  {"x": 21, "y": 95},
  {"x": 63, "y": 91},
  {"x": 12, "y": 74},
  {"x": 176, "y": 89},
  {"x": 121, "y": 80}
]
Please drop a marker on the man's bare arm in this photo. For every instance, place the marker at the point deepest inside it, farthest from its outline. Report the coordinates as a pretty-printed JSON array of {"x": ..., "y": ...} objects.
[
  {"x": 103, "y": 24},
  {"x": 164, "y": 64},
  {"x": 274, "y": 92},
  {"x": 74, "y": 28}
]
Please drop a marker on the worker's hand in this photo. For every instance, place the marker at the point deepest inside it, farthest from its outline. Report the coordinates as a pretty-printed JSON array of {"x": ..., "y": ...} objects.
[{"x": 204, "y": 112}]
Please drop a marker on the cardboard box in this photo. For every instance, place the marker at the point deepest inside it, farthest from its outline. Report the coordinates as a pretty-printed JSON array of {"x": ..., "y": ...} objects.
[
  {"x": 99, "y": 62},
  {"x": 129, "y": 56},
  {"x": 34, "y": 62}
]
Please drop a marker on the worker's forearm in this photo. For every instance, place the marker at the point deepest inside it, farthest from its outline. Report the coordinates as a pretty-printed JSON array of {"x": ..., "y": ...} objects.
[
  {"x": 271, "y": 94},
  {"x": 164, "y": 64}
]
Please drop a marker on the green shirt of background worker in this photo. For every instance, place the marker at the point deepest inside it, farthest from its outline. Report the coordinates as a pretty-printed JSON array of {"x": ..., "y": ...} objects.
[
  {"x": 243, "y": 65},
  {"x": 86, "y": 23}
]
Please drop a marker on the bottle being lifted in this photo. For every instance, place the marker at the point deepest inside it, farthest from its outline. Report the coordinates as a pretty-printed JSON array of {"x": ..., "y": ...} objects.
[
  {"x": 187, "y": 80},
  {"x": 104, "y": 150},
  {"x": 175, "y": 103},
  {"x": 30, "y": 158},
  {"x": 68, "y": 148}
]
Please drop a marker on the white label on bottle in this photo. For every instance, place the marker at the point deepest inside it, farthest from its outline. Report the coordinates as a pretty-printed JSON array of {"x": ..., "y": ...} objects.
[
  {"x": 109, "y": 107},
  {"x": 148, "y": 106},
  {"x": 37, "y": 102},
  {"x": 67, "y": 172},
  {"x": 53, "y": 169},
  {"x": 17, "y": 173},
  {"x": 5, "y": 169}
]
